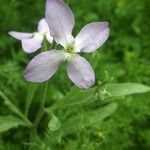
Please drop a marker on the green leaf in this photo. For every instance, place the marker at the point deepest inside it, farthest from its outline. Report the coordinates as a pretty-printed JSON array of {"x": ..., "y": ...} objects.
[
  {"x": 88, "y": 119},
  {"x": 75, "y": 97},
  {"x": 123, "y": 89},
  {"x": 8, "y": 122}
]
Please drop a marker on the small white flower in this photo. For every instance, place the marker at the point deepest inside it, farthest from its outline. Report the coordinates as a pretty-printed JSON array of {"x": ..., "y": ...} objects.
[
  {"x": 31, "y": 42},
  {"x": 61, "y": 22}
]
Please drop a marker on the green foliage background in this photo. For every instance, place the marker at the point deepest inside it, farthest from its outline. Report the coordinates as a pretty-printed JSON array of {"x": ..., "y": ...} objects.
[{"x": 125, "y": 56}]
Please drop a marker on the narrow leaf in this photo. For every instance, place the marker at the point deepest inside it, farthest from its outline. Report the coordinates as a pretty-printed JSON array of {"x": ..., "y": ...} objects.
[
  {"x": 123, "y": 89},
  {"x": 14, "y": 109},
  {"x": 8, "y": 122},
  {"x": 75, "y": 97}
]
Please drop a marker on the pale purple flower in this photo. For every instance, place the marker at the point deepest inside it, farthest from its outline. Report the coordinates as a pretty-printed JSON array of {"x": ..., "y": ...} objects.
[
  {"x": 31, "y": 42},
  {"x": 61, "y": 22}
]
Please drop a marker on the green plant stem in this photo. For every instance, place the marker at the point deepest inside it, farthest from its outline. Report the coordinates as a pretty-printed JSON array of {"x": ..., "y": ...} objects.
[
  {"x": 30, "y": 95},
  {"x": 13, "y": 108},
  {"x": 41, "y": 109},
  {"x": 44, "y": 45}
]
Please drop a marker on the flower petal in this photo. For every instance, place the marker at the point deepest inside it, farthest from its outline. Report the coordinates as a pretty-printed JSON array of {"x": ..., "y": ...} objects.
[
  {"x": 43, "y": 26},
  {"x": 49, "y": 37},
  {"x": 92, "y": 36},
  {"x": 43, "y": 66},
  {"x": 20, "y": 35},
  {"x": 81, "y": 72},
  {"x": 60, "y": 20},
  {"x": 31, "y": 45}
]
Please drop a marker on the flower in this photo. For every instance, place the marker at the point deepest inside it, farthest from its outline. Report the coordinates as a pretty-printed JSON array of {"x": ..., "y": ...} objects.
[
  {"x": 61, "y": 22},
  {"x": 31, "y": 42}
]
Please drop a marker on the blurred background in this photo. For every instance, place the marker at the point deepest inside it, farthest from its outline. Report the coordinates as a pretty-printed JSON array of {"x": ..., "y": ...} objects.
[{"x": 125, "y": 56}]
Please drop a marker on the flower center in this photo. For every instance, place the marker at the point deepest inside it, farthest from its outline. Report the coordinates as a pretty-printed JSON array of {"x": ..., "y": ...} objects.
[{"x": 70, "y": 49}]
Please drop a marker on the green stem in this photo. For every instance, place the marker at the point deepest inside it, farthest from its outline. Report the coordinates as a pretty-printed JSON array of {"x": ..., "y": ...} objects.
[
  {"x": 42, "y": 104},
  {"x": 44, "y": 45},
  {"x": 41, "y": 109},
  {"x": 13, "y": 108},
  {"x": 30, "y": 95}
]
